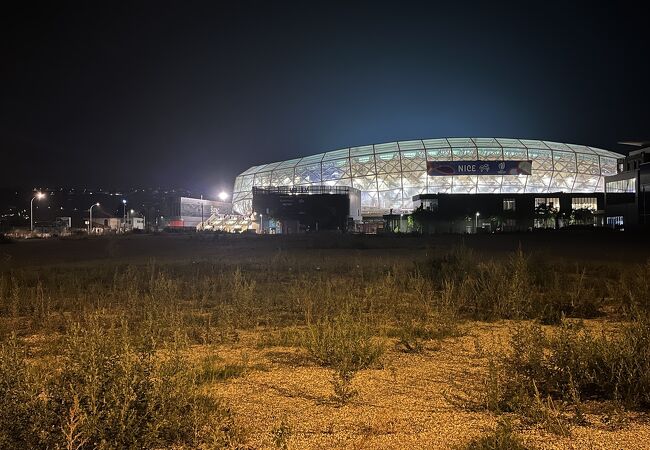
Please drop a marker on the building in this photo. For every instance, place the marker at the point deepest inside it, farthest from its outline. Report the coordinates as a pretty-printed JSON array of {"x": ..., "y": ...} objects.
[
  {"x": 626, "y": 192},
  {"x": 106, "y": 224},
  {"x": 295, "y": 209},
  {"x": 395, "y": 178},
  {"x": 190, "y": 213}
]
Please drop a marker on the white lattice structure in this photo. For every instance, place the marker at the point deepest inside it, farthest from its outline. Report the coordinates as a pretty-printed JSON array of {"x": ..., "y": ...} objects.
[{"x": 390, "y": 174}]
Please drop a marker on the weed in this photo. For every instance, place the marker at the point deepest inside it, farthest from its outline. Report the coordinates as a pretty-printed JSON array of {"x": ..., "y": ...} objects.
[
  {"x": 503, "y": 438},
  {"x": 347, "y": 346},
  {"x": 211, "y": 370},
  {"x": 284, "y": 337},
  {"x": 412, "y": 335},
  {"x": 107, "y": 391},
  {"x": 281, "y": 435}
]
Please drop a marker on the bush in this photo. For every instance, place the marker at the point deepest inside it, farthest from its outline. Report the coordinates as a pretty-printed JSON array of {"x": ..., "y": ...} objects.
[
  {"x": 346, "y": 345},
  {"x": 412, "y": 335},
  {"x": 107, "y": 392},
  {"x": 632, "y": 290},
  {"x": 573, "y": 364},
  {"x": 501, "y": 439}
]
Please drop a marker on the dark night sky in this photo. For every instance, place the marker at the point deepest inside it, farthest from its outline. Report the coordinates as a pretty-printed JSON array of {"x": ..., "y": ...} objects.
[{"x": 134, "y": 94}]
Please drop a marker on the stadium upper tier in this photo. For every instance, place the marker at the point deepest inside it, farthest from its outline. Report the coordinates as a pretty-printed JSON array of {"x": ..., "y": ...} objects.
[{"x": 389, "y": 175}]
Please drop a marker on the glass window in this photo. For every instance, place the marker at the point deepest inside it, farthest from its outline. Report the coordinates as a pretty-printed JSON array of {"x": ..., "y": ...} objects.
[
  {"x": 486, "y": 142},
  {"x": 464, "y": 153},
  {"x": 506, "y": 142},
  {"x": 435, "y": 143},
  {"x": 359, "y": 151},
  {"x": 557, "y": 146},
  {"x": 509, "y": 204},
  {"x": 550, "y": 202},
  {"x": 584, "y": 203},
  {"x": 387, "y": 147},
  {"x": 461, "y": 142},
  {"x": 530, "y": 143},
  {"x": 607, "y": 166},
  {"x": 410, "y": 145},
  {"x": 336, "y": 154},
  {"x": 513, "y": 153},
  {"x": 628, "y": 185},
  {"x": 439, "y": 154},
  {"x": 615, "y": 221}
]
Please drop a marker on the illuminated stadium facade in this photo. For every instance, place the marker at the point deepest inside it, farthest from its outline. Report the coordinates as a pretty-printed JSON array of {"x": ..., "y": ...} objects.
[{"x": 390, "y": 175}]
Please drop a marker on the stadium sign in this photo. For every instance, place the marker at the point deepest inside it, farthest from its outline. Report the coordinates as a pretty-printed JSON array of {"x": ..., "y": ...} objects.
[{"x": 447, "y": 168}]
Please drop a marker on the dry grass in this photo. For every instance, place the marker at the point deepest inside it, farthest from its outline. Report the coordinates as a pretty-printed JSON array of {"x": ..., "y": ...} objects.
[{"x": 319, "y": 350}]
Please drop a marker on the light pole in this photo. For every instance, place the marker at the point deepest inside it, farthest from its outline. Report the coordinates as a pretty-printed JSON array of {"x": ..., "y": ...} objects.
[
  {"x": 123, "y": 214},
  {"x": 90, "y": 222},
  {"x": 39, "y": 195},
  {"x": 201, "y": 212},
  {"x": 476, "y": 226}
]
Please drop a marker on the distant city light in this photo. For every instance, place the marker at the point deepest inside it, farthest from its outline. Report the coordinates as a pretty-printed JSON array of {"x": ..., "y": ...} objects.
[{"x": 223, "y": 196}]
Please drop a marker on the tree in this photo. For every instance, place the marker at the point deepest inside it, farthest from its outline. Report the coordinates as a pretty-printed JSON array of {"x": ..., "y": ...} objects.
[{"x": 545, "y": 215}]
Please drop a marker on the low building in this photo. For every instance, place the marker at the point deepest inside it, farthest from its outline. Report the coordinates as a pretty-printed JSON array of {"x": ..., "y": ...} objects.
[
  {"x": 461, "y": 213},
  {"x": 627, "y": 205},
  {"x": 295, "y": 209},
  {"x": 103, "y": 225}
]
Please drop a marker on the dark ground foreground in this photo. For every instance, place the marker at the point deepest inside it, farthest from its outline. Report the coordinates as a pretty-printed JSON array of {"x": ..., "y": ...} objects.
[
  {"x": 560, "y": 245},
  {"x": 326, "y": 341}
]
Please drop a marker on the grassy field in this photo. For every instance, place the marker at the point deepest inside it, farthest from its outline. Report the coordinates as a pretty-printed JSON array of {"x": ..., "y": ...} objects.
[{"x": 326, "y": 341}]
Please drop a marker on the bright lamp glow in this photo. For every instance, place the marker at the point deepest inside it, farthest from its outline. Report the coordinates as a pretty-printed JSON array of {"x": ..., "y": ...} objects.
[
  {"x": 97, "y": 204},
  {"x": 124, "y": 201},
  {"x": 40, "y": 195},
  {"x": 223, "y": 196}
]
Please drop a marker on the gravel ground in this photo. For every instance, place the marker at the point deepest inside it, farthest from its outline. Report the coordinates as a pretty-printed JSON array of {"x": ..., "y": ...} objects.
[{"x": 404, "y": 404}]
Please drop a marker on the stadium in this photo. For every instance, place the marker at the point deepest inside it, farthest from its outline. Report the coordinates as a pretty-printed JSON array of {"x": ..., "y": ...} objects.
[{"x": 390, "y": 175}]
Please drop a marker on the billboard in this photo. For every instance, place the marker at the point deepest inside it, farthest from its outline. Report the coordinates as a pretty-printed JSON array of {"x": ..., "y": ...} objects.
[
  {"x": 195, "y": 207},
  {"x": 447, "y": 168}
]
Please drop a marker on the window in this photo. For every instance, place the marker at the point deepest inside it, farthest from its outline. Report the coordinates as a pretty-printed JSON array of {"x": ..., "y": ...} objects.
[
  {"x": 628, "y": 185},
  {"x": 508, "y": 204},
  {"x": 551, "y": 203},
  {"x": 615, "y": 221},
  {"x": 584, "y": 203}
]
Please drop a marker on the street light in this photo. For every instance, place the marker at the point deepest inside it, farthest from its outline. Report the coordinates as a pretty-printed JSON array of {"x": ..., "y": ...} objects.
[
  {"x": 39, "y": 195},
  {"x": 201, "y": 212},
  {"x": 223, "y": 196},
  {"x": 90, "y": 223},
  {"x": 476, "y": 226}
]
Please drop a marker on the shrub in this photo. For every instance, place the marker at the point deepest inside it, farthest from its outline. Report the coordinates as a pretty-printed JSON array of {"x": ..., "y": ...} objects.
[
  {"x": 502, "y": 438},
  {"x": 284, "y": 337},
  {"x": 412, "y": 335},
  {"x": 633, "y": 290},
  {"x": 346, "y": 345},
  {"x": 108, "y": 392},
  {"x": 573, "y": 363}
]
